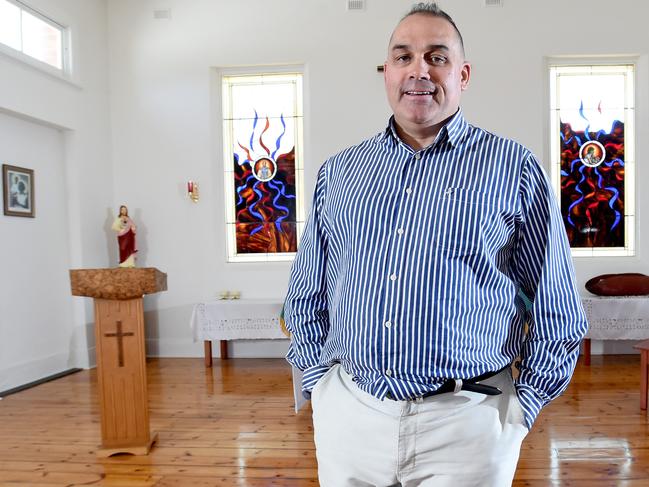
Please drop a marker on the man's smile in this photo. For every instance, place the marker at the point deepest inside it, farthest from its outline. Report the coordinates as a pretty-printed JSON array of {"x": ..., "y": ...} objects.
[{"x": 419, "y": 93}]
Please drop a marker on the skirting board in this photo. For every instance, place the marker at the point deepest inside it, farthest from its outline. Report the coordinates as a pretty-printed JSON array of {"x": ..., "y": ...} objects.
[
  {"x": 38, "y": 382},
  {"x": 32, "y": 369}
]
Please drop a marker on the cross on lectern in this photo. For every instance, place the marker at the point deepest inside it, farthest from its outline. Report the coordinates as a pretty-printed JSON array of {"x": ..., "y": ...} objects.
[{"x": 120, "y": 345}]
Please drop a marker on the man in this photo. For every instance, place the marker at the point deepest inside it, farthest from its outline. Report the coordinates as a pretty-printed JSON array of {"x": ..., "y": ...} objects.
[
  {"x": 14, "y": 192},
  {"x": 590, "y": 158},
  {"x": 263, "y": 170},
  {"x": 405, "y": 300}
]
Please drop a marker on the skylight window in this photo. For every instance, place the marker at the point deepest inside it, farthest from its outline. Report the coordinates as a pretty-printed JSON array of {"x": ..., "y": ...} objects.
[{"x": 33, "y": 34}]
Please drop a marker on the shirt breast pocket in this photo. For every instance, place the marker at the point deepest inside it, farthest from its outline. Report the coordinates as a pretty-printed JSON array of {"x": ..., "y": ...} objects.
[{"x": 461, "y": 219}]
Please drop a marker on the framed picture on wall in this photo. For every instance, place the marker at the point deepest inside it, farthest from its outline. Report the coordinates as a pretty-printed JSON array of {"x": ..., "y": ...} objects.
[{"x": 18, "y": 191}]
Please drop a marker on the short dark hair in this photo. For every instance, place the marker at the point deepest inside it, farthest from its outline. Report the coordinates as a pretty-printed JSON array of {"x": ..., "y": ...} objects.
[{"x": 433, "y": 10}]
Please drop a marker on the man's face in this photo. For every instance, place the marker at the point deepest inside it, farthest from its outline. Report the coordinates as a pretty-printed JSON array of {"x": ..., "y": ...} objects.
[{"x": 425, "y": 72}]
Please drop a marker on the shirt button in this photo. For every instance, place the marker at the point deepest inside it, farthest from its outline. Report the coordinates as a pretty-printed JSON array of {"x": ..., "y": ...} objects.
[
  {"x": 417, "y": 156},
  {"x": 388, "y": 372},
  {"x": 408, "y": 190},
  {"x": 388, "y": 324},
  {"x": 393, "y": 277},
  {"x": 400, "y": 231}
]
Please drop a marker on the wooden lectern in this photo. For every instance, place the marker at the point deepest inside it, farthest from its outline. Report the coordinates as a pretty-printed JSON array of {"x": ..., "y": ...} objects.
[{"x": 121, "y": 359}]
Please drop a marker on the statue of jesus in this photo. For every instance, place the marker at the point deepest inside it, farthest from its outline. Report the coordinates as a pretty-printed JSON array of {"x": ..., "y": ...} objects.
[{"x": 125, "y": 229}]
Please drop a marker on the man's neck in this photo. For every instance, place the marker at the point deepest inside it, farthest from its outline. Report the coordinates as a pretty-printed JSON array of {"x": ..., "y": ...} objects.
[
  {"x": 420, "y": 137},
  {"x": 417, "y": 140}
]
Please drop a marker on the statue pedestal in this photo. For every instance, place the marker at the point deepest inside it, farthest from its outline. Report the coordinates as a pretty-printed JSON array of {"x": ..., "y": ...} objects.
[{"x": 121, "y": 359}]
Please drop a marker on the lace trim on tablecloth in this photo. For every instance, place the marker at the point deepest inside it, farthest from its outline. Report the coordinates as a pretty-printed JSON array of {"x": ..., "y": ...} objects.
[
  {"x": 618, "y": 329},
  {"x": 241, "y": 329},
  {"x": 207, "y": 327},
  {"x": 617, "y": 317}
]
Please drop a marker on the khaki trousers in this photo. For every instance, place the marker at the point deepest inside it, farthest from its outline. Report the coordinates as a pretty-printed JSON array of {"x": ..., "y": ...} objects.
[{"x": 462, "y": 439}]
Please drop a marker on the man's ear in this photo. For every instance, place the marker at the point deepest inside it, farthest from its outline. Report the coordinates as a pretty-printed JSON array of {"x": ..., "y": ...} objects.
[{"x": 465, "y": 76}]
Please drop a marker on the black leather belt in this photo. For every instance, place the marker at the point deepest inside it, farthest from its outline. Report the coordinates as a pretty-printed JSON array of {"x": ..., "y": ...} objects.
[{"x": 457, "y": 385}]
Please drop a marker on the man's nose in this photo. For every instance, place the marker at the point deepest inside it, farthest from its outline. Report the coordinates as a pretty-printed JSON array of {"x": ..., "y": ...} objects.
[{"x": 420, "y": 70}]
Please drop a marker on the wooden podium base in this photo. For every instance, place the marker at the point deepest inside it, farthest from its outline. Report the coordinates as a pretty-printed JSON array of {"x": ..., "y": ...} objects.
[
  {"x": 133, "y": 450},
  {"x": 121, "y": 355},
  {"x": 121, "y": 373}
]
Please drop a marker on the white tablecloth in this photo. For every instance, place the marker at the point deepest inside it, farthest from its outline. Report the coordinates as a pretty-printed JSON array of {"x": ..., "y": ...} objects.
[
  {"x": 237, "y": 319},
  {"x": 617, "y": 317}
]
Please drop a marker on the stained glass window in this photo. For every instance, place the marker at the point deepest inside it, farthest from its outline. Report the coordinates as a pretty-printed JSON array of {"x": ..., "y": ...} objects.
[
  {"x": 262, "y": 139},
  {"x": 593, "y": 157}
]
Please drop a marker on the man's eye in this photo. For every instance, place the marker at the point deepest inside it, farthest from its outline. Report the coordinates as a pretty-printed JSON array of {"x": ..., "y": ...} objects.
[
  {"x": 403, "y": 58},
  {"x": 437, "y": 59}
]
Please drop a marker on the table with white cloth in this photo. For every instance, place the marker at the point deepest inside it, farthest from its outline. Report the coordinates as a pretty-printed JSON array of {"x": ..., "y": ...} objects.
[
  {"x": 235, "y": 319},
  {"x": 615, "y": 318},
  {"x": 241, "y": 319}
]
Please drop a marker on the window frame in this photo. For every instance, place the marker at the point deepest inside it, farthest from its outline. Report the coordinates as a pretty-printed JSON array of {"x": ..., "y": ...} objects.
[
  {"x": 227, "y": 155},
  {"x": 65, "y": 72},
  {"x": 628, "y": 66}
]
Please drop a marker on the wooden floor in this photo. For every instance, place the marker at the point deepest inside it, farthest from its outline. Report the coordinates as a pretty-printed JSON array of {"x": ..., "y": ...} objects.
[{"x": 234, "y": 425}]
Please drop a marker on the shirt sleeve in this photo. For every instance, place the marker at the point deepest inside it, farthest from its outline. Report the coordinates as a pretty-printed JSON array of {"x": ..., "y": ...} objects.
[
  {"x": 306, "y": 311},
  {"x": 545, "y": 273}
]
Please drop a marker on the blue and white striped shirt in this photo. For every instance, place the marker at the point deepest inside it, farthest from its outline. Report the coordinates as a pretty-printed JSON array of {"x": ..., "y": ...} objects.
[{"x": 411, "y": 262}]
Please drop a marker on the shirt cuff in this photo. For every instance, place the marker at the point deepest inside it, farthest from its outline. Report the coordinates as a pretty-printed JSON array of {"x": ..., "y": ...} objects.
[
  {"x": 311, "y": 376},
  {"x": 530, "y": 402}
]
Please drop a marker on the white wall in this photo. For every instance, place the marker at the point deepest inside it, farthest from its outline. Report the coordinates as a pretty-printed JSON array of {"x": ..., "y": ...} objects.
[
  {"x": 36, "y": 326},
  {"x": 164, "y": 106},
  {"x": 74, "y": 180}
]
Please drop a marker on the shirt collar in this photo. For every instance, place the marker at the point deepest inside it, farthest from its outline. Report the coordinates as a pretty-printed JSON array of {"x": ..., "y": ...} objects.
[
  {"x": 456, "y": 128},
  {"x": 453, "y": 130}
]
